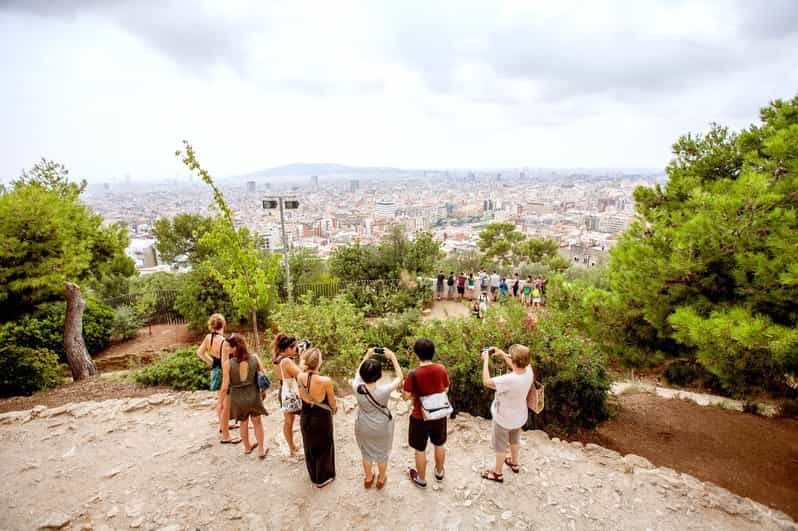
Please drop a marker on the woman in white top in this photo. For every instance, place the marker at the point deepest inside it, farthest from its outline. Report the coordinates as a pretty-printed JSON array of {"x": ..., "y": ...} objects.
[{"x": 509, "y": 408}]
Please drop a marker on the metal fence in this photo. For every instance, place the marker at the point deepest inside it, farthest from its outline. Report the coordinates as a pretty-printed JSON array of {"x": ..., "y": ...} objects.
[
  {"x": 156, "y": 306},
  {"x": 333, "y": 288}
]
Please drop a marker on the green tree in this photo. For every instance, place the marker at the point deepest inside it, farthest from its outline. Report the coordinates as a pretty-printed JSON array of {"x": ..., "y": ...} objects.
[
  {"x": 710, "y": 266},
  {"x": 178, "y": 239},
  {"x": 537, "y": 249},
  {"x": 247, "y": 274},
  {"x": 498, "y": 241},
  {"x": 50, "y": 237},
  {"x": 52, "y": 176}
]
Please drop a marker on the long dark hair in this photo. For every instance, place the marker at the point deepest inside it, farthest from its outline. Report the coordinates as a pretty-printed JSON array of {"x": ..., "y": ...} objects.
[{"x": 239, "y": 346}]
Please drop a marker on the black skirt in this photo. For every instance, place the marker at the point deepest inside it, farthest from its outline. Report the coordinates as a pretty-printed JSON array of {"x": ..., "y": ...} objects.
[{"x": 317, "y": 438}]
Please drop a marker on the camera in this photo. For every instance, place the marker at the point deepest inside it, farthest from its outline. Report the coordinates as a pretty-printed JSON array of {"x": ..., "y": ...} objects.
[
  {"x": 379, "y": 350},
  {"x": 304, "y": 344},
  {"x": 488, "y": 350}
]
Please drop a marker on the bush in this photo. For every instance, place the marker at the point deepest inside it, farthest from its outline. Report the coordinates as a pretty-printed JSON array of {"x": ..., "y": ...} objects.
[
  {"x": 126, "y": 323},
  {"x": 574, "y": 373},
  {"x": 395, "y": 331},
  {"x": 182, "y": 370},
  {"x": 335, "y": 326},
  {"x": 200, "y": 296},
  {"x": 44, "y": 329},
  {"x": 681, "y": 372},
  {"x": 24, "y": 371}
]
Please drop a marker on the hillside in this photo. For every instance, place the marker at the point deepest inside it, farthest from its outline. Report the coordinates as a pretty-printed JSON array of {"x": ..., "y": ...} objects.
[{"x": 154, "y": 463}]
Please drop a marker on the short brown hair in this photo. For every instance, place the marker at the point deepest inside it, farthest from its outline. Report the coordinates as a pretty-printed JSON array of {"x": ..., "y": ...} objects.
[
  {"x": 313, "y": 359},
  {"x": 520, "y": 356},
  {"x": 216, "y": 322}
]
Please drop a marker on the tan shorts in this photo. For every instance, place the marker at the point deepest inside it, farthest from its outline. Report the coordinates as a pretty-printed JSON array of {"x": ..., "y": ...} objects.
[{"x": 501, "y": 438}]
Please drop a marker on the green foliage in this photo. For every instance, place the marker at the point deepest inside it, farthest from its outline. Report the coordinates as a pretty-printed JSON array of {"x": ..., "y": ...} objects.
[
  {"x": 201, "y": 295},
  {"x": 468, "y": 262},
  {"x": 126, "y": 323},
  {"x": 377, "y": 298},
  {"x": 44, "y": 328},
  {"x": 498, "y": 241},
  {"x": 709, "y": 269},
  {"x": 181, "y": 369},
  {"x": 396, "y": 331},
  {"x": 50, "y": 237},
  {"x": 24, "y": 371},
  {"x": 335, "y": 326},
  {"x": 246, "y": 272},
  {"x": 388, "y": 259},
  {"x": 179, "y": 240},
  {"x": 537, "y": 249},
  {"x": 574, "y": 373}
]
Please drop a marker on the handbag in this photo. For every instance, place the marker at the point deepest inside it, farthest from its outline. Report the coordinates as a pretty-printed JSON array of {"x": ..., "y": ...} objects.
[
  {"x": 289, "y": 394},
  {"x": 363, "y": 390},
  {"x": 435, "y": 406},
  {"x": 535, "y": 398},
  {"x": 263, "y": 381}
]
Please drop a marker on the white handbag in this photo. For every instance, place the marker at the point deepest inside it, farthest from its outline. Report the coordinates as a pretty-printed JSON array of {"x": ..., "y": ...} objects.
[{"x": 435, "y": 406}]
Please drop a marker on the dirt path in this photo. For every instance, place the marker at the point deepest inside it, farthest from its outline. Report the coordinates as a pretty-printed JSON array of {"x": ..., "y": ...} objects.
[
  {"x": 154, "y": 463},
  {"x": 753, "y": 456},
  {"x": 77, "y": 392},
  {"x": 145, "y": 346}
]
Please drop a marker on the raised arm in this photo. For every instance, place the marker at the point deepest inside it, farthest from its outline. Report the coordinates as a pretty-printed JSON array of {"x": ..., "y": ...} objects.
[
  {"x": 396, "y": 383},
  {"x": 202, "y": 352},
  {"x": 486, "y": 379},
  {"x": 289, "y": 368}
]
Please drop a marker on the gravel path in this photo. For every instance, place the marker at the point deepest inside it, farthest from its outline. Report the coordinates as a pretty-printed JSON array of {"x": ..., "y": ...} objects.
[{"x": 155, "y": 463}]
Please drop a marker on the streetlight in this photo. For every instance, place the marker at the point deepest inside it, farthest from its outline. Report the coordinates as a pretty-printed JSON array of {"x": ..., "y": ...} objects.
[{"x": 283, "y": 204}]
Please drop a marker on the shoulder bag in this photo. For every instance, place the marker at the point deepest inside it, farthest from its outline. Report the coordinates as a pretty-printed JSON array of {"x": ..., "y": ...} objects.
[
  {"x": 289, "y": 393},
  {"x": 435, "y": 406},
  {"x": 535, "y": 398},
  {"x": 363, "y": 390}
]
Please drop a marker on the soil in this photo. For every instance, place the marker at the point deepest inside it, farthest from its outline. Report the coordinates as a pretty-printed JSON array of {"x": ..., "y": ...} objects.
[
  {"x": 750, "y": 455},
  {"x": 148, "y": 344},
  {"x": 155, "y": 463}
]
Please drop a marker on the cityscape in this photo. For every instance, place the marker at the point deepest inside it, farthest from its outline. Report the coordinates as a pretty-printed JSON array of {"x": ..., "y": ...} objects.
[{"x": 583, "y": 211}]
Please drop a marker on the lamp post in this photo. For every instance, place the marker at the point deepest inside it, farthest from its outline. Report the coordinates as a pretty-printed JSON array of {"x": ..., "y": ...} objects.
[{"x": 283, "y": 204}]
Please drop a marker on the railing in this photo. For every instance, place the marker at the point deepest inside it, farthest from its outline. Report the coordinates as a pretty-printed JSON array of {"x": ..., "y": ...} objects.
[
  {"x": 156, "y": 306},
  {"x": 333, "y": 288}
]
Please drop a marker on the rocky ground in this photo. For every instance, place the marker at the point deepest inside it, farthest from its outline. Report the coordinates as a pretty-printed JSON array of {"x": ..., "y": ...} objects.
[{"x": 155, "y": 463}]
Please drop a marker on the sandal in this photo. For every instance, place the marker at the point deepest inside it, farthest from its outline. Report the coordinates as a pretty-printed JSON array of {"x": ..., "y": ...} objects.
[
  {"x": 248, "y": 451},
  {"x": 514, "y": 467},
  {"x": 492, "y": 476},
  {"x": 367, "y": 483},
  {"x": 264, "y": 454},
  {"x": 381, "y": 483},
  {"x": 234, "y": 440}
]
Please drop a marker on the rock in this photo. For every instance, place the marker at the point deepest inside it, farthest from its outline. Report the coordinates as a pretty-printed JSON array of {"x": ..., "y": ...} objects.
[
  {"x": 637, "y": 461},
  {"x": 506, "y": 515},
  {"x": 55, "y": 521},
  {"x": 537, "y": 437},
  {"x": 29, "y": 466},
  {"x": 113, "y": 512},
  {"x": 15, "y": 416},
  {"x": 111, "y": 473},
  {"x": 138, "y": 522},
  {"x": 53, "y": 412},
  {"x": 135, "y": 405},
  {"x": 37, "y": 410}
]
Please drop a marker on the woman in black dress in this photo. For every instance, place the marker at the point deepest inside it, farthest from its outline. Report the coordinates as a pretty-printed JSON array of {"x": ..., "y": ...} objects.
[{"x": 315, "y": 420}]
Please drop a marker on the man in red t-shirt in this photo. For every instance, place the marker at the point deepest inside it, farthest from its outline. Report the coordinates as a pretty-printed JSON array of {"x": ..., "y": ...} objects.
[{"x": 430, "y": 378}]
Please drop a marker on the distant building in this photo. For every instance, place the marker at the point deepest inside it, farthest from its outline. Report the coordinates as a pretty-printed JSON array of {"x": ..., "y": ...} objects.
[
  {"x": 385, "y": 209},
  {"x": 354, "y": 184},
  {"x": 250, "y": 186},
  {"x": 487, "y": 205},
  {"x": 314, "y": 182}
]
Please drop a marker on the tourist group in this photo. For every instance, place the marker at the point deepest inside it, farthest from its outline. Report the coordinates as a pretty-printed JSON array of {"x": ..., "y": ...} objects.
[{"x": 239, "y": 378}]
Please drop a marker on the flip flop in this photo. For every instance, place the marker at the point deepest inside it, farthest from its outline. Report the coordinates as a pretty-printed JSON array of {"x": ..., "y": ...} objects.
[
  {"x": 367, "y": 483},
  {"x": 492, "y": 476},
  {"x": 515, "y": 468},
  {"x": 248, "y": 451},
  {"x": 264, "y": 454},
  {"x": 234, "y": 440}
]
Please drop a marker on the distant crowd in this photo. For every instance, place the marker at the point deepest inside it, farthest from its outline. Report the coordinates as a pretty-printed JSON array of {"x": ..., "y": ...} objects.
[
  {"x": 239, "y": 378},
  {"x": 482, "y": 288}
]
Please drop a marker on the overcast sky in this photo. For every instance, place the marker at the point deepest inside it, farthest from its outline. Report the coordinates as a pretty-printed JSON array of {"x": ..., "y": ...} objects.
[{"x": 111, "y": 87}]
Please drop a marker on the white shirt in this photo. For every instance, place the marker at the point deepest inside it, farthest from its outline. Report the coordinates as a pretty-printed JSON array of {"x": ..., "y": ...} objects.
[
  {"x": 509, "y": 408},
  {"x": 494, "y": 280}
]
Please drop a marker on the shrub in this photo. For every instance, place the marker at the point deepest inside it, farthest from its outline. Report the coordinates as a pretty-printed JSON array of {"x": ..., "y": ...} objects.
[
  {"x": 789, "y": 408},
  {"x": 24, "y": 371},
  {"x": 200, "y": 296},
  {"x": 44, "y": 329},
  {"x": 395, "y": 331},
  {"x": 126, "y": 323},
  {"x": 681, "y": 372},
  {"x": 181, "y": 370},
  {"x": 335, "y": 326},
  {"x": 573, "y": 371}
]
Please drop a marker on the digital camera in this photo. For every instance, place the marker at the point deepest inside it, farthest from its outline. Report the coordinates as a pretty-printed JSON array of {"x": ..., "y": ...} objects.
[
  {"x": 304, "y": 344},
  {"x": 379, "y": 350}
]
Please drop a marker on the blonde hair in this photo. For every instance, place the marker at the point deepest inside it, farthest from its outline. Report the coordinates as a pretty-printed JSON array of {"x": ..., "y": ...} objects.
[
  {"x": 520, "y": 355},
  {"x": 216, "y": 322},
  {"x": 313, "y": 359}
]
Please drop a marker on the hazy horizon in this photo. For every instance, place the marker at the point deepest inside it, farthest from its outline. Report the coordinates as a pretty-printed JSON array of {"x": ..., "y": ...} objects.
[{"x": 112, "y": 88}]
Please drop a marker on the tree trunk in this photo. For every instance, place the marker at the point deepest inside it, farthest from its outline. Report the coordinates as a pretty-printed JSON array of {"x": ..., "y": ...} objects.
[
  {"x": 255, "y": 330},
  {"x": 75, "y": 347}
]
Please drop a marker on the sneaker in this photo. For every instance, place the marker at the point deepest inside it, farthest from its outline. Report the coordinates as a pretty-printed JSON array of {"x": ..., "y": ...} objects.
[
  {"x": 439, "y": 477},
  {"x": 420, "y": 483}
]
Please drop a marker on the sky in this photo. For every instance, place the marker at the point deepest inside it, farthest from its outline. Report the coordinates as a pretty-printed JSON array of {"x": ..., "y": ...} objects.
[{"x": 111, "y": 88}]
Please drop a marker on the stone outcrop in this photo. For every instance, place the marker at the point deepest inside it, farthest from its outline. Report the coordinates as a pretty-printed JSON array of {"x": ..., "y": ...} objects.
[{"x": 155, "y": 463}]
